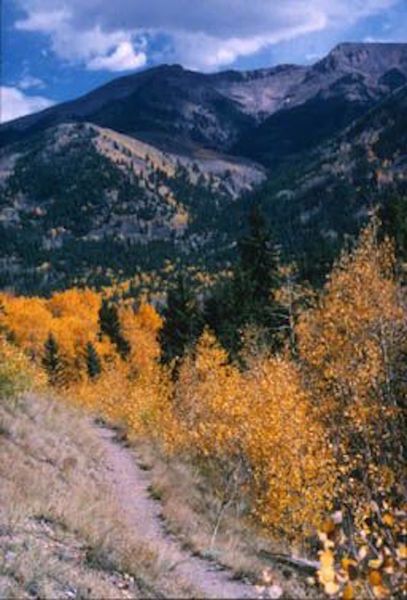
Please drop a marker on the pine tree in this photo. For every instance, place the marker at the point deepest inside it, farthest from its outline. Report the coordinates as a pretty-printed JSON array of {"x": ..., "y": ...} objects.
[
  {"x": 93, "y": 364},
  {"x": 181, "y": 325},
  {"x": 393, "y": 214},
  {"x": 259, "y": 260},
  {"x": 249, "y": 298},
  {"x": 109, "y": 324},
  {"x": 51, "y": 359}
]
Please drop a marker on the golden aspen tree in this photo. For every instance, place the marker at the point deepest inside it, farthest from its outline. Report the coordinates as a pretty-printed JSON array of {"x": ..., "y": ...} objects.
[
  {"x": 350, "y": 346},
  {"x": 287, "y": 449},
  {"x": 208, "y": 400}
]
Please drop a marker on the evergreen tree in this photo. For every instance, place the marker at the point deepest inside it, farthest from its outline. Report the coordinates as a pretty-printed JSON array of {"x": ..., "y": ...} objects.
[
  {"x": 393, "y": 214},
  {"x": 93, "y": 364},
  {"x": 109, "y": 324},
  {"x": 51, "y": 359},
  {"x": 248, "y": 299},
  {"x": 259, "y": 260},
  {"x": 181, "y": 324}
]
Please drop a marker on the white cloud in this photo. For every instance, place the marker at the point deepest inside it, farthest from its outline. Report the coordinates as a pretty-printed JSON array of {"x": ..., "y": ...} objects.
[
  {"x": 14, "y": 103},
  {"x": 29, "y": 81},
  {"x": 111, "y": 51},
  {"x": 205, "y": 52},
  {"x": 202, "y": 33},
  {"x": 124, "y": 58}
]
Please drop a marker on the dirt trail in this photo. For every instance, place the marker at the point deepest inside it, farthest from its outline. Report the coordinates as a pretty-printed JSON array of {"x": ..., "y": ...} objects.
[{"x": 130, "y": 485}]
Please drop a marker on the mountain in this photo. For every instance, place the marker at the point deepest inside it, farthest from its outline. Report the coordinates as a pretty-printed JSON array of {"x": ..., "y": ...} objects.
[
  {"x": 332, "y": 93},
  {"x": 320, "y": 201},
  {"x": 177, "y": 109},
  {"x": 77, "y": 198},
  {"x": 161, "y": 166}
]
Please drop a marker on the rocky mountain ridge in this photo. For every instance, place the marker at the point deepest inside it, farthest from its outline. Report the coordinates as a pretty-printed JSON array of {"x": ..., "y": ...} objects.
[{"x": 178, "y": 109}]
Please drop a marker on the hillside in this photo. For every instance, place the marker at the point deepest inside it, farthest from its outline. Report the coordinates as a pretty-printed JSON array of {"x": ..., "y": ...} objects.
[
  {"x": 52, "y": 465},
  {"x": 78, "y": 197},
  {"x": 334, "y": 92},
  {"x": 220, "y": 477},
  {"x": 81, "y": 514},
  {"x": 324, "y": 198},
  {"x": 154, "y": 171}
]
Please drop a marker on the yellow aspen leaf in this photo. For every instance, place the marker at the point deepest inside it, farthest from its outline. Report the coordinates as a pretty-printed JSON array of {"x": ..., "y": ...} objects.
[
  {"x": 388, "y": 519},
  {"x": 326, "y": 558},
  {"x": 348, "y": 592},
  {"x": 331, "y": 588},
  {"x": 375, "y": 578},
  {"x": 326, "y": 574},
  {"x": 375, "y": 563}
]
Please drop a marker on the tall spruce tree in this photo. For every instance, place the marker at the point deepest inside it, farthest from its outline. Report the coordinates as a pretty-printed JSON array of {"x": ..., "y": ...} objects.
[
  {"x": 93, "y": 364},
  {"x": 259, "y": 260},
  {"x": 109, "y": 324},
  {"x": 249, "y": 297},
  {"x": 181, "y": 322},
  {"x": 51, "y": 359}
]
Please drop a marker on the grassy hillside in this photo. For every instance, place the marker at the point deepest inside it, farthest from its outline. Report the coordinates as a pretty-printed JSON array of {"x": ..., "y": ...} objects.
[
  {"x": 304, "y": 444},
  {"x": 62, "y": 531}
]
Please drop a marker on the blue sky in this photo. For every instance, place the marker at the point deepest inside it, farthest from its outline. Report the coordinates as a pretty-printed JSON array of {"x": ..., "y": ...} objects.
[{"x": 55, "y": 50}]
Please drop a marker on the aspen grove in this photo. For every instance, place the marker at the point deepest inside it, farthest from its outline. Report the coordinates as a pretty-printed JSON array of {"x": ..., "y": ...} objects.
[{"x": 309, "y": 434}]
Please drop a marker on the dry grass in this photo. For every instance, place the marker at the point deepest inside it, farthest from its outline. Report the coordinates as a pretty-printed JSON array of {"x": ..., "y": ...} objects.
[
  {"x": 61, "y": 528},
  {"x": 193, "y": 513},
  {"x": 61, "y": 534}
]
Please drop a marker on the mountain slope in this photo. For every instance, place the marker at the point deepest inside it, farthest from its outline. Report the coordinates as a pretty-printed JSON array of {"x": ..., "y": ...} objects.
[
  {"x": 133, "y": 177},
  {"x": 179, "y": 109},
  {"x": 334, "y": 92},
  {"x": 78, "y": 199},
  {"x": 325, "y": 197}
]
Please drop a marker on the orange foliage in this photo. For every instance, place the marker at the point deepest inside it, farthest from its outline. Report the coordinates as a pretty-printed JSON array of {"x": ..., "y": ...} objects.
[
  {"x": 350, "y": 345},
  {"x": 291, "y": 433},
  {"x": 259, "y": 428},
  {"x": 293, "y": 470}
]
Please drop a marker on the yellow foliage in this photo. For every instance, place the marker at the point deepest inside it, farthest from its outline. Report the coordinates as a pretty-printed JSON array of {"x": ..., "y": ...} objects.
[
  {"x": 257, "y": 426},
  {"x": 287, "y": 448},
  {"x": 290, "y": 433},
  {"x": 349, "y": 345},
  {"x": 28, "y": 320}
]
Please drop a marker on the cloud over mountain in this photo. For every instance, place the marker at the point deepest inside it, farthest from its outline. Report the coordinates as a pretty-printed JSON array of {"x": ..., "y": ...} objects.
[
  {"x": 122, "y": 35},
  {"x": 14, "y": 103}
]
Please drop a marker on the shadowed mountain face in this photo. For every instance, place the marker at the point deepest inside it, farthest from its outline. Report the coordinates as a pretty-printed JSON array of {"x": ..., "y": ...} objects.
[
  {"x": 266, "y": 114},
  {"x": 162, "y": 166}
]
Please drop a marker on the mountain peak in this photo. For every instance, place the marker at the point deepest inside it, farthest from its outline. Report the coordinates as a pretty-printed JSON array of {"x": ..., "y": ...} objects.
[
  {"x": 368, "y": 58},
  {"x": 169, "y": 103}
]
